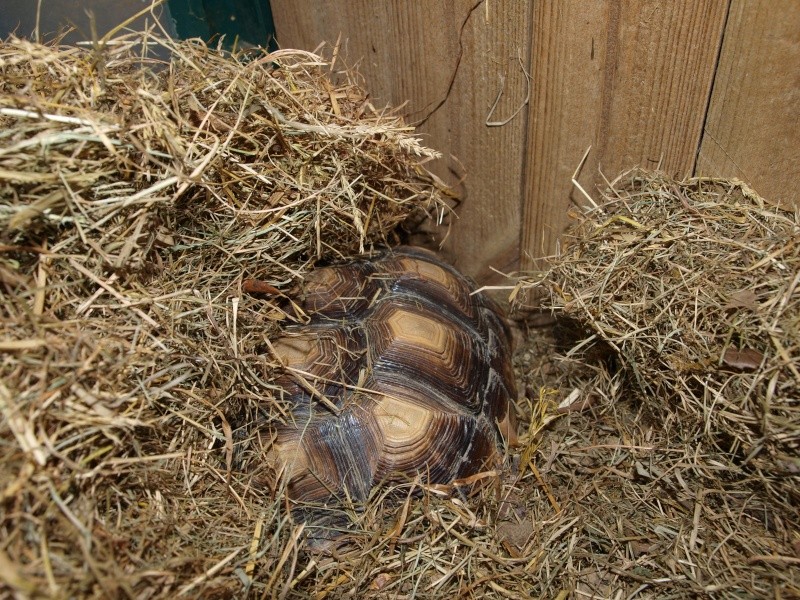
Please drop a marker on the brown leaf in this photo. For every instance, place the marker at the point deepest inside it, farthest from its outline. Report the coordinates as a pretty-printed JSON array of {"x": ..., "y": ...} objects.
[
  {"x": 742, "y": 299},
  {"x": 380, "y": 581},
  {"x": 254, "y": 286},
  {"x": 745, "y": 359}
]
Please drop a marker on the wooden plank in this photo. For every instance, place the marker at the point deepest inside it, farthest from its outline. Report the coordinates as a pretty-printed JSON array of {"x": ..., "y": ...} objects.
[
  {"x": 448, "y": 61},
  {"x": 630, "y": 78},
  {"x": 386, "y": 43},
  {"x": 752, "y": 130}
]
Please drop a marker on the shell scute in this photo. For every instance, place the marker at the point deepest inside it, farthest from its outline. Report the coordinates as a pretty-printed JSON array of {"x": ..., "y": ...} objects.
[{"x": 415, "y": 371}]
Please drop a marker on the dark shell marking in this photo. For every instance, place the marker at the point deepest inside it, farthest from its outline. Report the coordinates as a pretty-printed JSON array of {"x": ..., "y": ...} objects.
[{"x": 418, "y": 369}]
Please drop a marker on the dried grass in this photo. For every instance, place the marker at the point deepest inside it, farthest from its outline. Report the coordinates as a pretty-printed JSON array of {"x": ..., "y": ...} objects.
[
  {"x": 133, "y": 204},
  {"x": 640, "y": 511},
  {"x": 136, "y": 195},
  {"x": 695, "y": 287},
  {"x": 674, "y": 454}
]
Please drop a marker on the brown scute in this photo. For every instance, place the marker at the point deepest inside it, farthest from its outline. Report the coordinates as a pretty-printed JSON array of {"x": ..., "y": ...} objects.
[
  {"x": 445, "y": 447},
  {"x": 436, "y": 283},
  {"x": 339, "y": 453},
  {"x": 432, "y": 359},
  {"x": 325, "y": 355},
  {"x": 415, "y": 371},
  {"x": 337, "y": 292},
  {"x": 482, "y": 445}
]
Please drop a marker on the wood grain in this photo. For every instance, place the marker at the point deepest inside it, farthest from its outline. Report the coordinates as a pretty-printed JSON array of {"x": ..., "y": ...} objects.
[
  {"x": 631, "y": 79},
  {"x": 448, "y": 61},
  {"x": 752, "y": 130}
]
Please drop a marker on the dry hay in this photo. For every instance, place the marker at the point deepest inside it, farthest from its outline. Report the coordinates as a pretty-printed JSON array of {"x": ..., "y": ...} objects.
[
  {"x": 667, "y": 447},
  {"x": 641, "y": 512},
  {"x": 695, "y": 287},
  {"x": 128, "y": 228},
  {"x": 136, "y": 196}
]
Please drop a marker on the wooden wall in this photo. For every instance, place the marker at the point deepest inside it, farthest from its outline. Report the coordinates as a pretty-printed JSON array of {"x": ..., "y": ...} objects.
[{"x": 710, "y": 87}]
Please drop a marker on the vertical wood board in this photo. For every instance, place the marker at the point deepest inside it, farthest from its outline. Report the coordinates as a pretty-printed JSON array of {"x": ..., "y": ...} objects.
[
  {"x": 631, "y": 79},
  {"x": 752, "y": 131},
  {"x": 448, "y": 61},
  {"x": 709, "y": 87}
]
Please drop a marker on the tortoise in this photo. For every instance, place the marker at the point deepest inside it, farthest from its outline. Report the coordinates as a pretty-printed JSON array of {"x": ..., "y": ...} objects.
[{"x": 402, "y": 370}]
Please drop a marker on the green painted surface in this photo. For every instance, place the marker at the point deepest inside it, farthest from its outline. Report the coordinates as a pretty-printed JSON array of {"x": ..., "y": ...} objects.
[{"x": 238, "y": 20}]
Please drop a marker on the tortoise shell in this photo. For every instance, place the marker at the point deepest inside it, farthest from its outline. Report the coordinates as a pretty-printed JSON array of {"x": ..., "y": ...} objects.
[{"x": 401, "y": 371}]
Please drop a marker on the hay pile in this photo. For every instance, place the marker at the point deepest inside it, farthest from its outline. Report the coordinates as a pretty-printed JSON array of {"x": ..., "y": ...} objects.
[
  {"x": 666, "y": 457},
  {"x": 695, "y": 286},
  {"x": 137, "y": 196},
  {"x": 620, "y": 507},
  {"x": 141, "y": 201}
]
